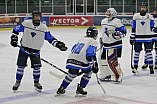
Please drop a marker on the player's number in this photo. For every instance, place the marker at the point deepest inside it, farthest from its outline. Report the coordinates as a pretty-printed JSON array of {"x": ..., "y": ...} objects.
[{"x": 78, "y": 48}]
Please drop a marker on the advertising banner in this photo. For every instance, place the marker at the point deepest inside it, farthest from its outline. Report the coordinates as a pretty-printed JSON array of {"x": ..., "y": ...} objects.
[
  {"x": 44, "y": 20},
  {"x": 9, "y": 22},
  {"x": 126, "y": 20},
  {"x": 71, "y": 21}
]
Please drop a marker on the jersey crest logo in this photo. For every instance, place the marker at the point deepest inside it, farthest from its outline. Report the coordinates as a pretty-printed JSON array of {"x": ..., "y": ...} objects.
[
  {"x": 33, "y": 34},
  {"x": 142, "y": 23}
]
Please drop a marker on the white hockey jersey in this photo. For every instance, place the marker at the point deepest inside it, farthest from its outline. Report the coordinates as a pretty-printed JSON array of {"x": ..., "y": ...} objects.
[
  {"x": 113, "y": 25},
  {"x": 154, "y": 35},
  {"x": 142, "y": 27},
  {"x": 86, "y": 47},
  {"x": 33, "y": 36}
]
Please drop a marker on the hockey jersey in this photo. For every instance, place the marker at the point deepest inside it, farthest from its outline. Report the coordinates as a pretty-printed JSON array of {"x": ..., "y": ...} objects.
[
  {"x": 154, "y": 35},
  {"x": 33, "y": 36},
  {"x": 112, "y": 25},
  {"x": 142, "y": 27},
  {"x": 86, "y": 47}
]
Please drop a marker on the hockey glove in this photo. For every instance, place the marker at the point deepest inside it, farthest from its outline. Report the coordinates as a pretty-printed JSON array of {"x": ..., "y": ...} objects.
[
  {"x": 132, "y": 40},
  {"x": 155, "y": 29},
  {"x": 61, "y": 46},
  {"x": 14, "y": 40},
  {"x": 95, "y": 67},
  {"x": 118, "y": 35}
]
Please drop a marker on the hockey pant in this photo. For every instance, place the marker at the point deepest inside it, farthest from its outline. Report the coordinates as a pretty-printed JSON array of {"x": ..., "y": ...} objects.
[{"x": 110, "y": 66}]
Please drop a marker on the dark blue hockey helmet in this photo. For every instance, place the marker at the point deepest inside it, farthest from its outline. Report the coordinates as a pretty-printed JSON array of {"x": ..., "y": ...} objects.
[
  {"x": 92, "y": 32},
  {"x": 155, "y": 9},
  {"x": 34, "y": 13},
  {"x": 144, "y": 4}
]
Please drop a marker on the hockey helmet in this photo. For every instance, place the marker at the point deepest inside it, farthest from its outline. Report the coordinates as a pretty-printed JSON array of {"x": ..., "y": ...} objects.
[
  {"x": 155, "y": 12},
  {"x": 144, "y": 4},
  {"x": 34, "y": 13},
  {"x": 111, "y": 12},
  {"x": 155, "y": 9},
  {"x": 92, "y": 32}
]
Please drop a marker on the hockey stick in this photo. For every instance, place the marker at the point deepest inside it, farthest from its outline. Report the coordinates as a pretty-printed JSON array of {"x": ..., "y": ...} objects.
[
  {"x": 132, "y": 56},
  {"x": 56, "y": 75},
  {"x": 100, "y": 84},
  {"x": 98, "y": 79},
  {"x": 44, "y": 60}
]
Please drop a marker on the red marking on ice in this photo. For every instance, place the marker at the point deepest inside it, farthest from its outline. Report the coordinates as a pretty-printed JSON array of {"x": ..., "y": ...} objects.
[{"x": 105, "y": 100}]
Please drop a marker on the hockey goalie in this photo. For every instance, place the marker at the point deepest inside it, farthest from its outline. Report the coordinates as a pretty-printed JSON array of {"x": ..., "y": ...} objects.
[{"x": 113, "y": 31}]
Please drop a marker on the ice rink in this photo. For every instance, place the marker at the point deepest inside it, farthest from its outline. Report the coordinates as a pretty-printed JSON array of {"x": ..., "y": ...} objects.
[{"x": 140, "y": 89}]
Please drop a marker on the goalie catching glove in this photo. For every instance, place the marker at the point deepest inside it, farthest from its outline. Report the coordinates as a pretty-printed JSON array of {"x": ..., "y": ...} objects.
[
  {"x": 115, "y": 34},
  {"x": 61, "y": 46},
  {"x": 14, "y": 40},
  {"x": 95, "y": 67}
]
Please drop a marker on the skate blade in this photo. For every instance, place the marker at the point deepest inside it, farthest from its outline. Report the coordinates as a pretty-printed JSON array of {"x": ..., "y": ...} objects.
[
  {"x": 14, "y": 91},
  {"x": 135, "y": 71},
  {"x": 58, "y": 95},
  {"x": 80, "y": 95},
  {"x": 117, "y": 82},
  {"x": 39, "y": 90},
  {"x": 105, "y": 80}
]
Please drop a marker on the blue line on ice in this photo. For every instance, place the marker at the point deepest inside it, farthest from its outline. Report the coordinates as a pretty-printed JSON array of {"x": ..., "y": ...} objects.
[{"x": 35, "y": 94}]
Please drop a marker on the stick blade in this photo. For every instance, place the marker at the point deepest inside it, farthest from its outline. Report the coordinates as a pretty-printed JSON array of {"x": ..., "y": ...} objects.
[{"x": 56, "y": 75}]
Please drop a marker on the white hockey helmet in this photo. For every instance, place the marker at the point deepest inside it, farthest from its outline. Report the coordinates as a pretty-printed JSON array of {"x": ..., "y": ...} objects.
[{"x": 111, "y": 12}]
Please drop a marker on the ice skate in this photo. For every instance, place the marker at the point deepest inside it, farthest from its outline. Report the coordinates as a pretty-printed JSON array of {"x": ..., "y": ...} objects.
[
  {"x": 134, "y": 70},
  {"x": 155, "y": 67},
  {"x": 144, "y": 67},
  {"x": 16, "y": 86},
  {"x": 60, "y": 91},
  {"x": 80, "y": 92},
  {"x": 107, "y": 78},
  {"x": 37, "y": 86},
  {"x": 116, "y": 82},
  {"x": 151, "y": 70}
]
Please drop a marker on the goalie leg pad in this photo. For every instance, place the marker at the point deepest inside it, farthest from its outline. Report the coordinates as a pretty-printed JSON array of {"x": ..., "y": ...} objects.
[
  {"x": 113, "y": 64},
  {"x": 103, "y": 66}
]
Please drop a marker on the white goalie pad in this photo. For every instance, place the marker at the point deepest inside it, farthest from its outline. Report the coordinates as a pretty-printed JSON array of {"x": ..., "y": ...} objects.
[{"x": 103, "y": 66}]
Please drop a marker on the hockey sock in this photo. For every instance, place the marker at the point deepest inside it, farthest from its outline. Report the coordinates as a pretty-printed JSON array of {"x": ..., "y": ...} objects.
[
  {"x": 156, "y": 57},
  {"x": 19, "y": 73},
  {"x": 85, "y": 79},
  {"x": 145, "y": 58},
  {"x": 149, "y": 58},
  {"x": 36, "y": 73},
  {"x": 68, "y": 79},
  {"x": 136, "y": 58}
]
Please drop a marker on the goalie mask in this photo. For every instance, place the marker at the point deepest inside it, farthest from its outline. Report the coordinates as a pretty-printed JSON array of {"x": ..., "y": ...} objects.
[
  {"x": 92, "y": 32},
  {"x": 36, "y": 21},
  {"x": 111, "y": 12}
]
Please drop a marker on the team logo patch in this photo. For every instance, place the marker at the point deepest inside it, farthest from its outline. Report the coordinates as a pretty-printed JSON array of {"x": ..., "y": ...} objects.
[
  {"x": 142, "y": 23},
  {"x": 33, "y": 34}
]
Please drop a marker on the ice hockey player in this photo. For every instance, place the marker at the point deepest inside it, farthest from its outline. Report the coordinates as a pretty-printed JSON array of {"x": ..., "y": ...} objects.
[
  {"x": 113, "y": 31},
  {"x": 154, "y": 37},
  {"x": 34, "y": 34},
  {"x": 142, "y": 25},
  {"x": 82, "y": 56}
]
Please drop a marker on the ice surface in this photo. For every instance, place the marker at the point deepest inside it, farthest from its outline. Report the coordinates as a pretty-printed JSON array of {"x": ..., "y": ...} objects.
[{"x": 139, "y": 89}]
